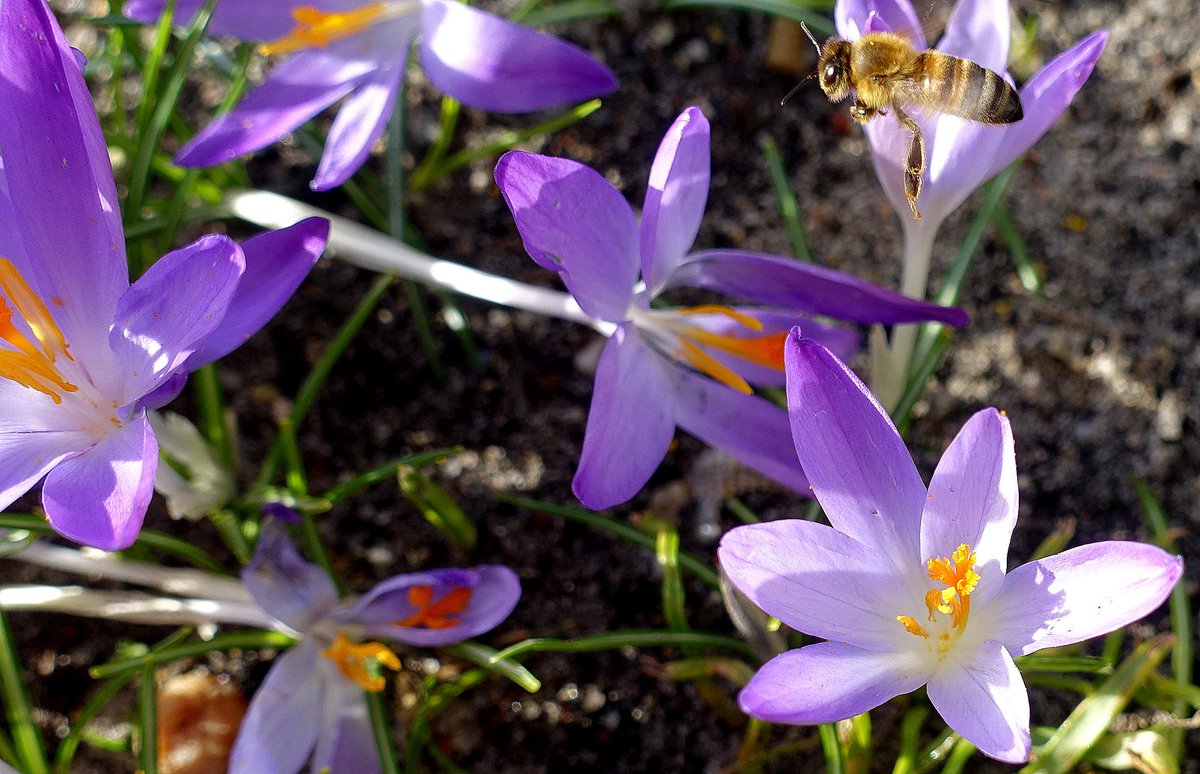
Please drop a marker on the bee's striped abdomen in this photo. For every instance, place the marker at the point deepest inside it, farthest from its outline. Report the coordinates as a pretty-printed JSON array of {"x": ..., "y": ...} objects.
[{"x": 960, "y": 87}]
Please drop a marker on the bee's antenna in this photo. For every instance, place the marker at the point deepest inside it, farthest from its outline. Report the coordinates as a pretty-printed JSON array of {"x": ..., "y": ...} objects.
[
  {"x": 807, "y": 32},
  {"x": 795, "y": 89}
]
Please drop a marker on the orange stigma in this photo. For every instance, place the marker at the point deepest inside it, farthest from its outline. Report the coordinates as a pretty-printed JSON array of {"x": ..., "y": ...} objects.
[
  {"x": 30, "y": 365},
  {"x": 435, "y": 615},
  {"x": 317, "y": 29},
  {"x": 353, "y": 661},
  {"x": 765, "y": 349}
]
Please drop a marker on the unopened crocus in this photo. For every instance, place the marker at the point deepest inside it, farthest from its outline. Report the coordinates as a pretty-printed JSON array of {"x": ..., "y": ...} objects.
[
  {"x": 691, "y": 367},
  {"x": 84, "y": 353},
  {"x": 359, "y": 49},
  {"x": 909, "y": 586},
  {"x": 311, "y": 706}
]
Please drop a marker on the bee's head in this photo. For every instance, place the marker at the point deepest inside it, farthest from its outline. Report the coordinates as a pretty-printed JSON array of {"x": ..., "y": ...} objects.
[{"x": 833, "y": 69}]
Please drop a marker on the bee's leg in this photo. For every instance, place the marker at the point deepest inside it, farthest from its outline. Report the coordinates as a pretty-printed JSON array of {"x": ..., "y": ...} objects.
[
  {"x": 860, "y": 112},
  {"x": 914, "y": 167}
]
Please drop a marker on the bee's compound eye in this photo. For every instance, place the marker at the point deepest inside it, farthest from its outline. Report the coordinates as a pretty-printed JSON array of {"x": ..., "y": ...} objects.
[{"x": 831, "y": 71}]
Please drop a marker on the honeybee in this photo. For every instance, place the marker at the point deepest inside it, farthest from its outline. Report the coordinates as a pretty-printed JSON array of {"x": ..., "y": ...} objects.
[{"x": 885, "y": 71}]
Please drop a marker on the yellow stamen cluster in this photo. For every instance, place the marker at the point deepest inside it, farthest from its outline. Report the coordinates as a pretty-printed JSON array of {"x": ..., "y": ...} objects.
[
  {"x": 765, "y": 350},
  {"x": 958, "y": 579},
  {"x": 355, "y": 659},
  {"x": 317, "y": 29},
  {"x": 30, "y": 365}
]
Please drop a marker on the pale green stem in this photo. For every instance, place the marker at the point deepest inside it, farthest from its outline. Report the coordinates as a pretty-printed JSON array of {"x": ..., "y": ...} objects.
[{"x": 891, "y": 363}]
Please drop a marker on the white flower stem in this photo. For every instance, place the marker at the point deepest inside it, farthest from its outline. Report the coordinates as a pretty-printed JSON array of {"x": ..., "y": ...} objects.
[
  {"x": 370, "y": 249},
  {"x": 133, "y": 606},
  {"x": 893, "y": 362}
]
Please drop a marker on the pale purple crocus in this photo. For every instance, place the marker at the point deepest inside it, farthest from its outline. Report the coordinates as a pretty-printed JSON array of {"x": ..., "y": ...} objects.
[
  {"x": 84, "y": 353},
  {"x": 691, "y": 367},
  {"x": 359, "y": 49},
  {"x": 909, "y": 586},
  {"x": 311, "y": 707}
]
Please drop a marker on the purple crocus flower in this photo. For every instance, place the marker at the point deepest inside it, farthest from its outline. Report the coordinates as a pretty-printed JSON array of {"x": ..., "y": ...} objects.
[
  {"x": 85, "y": 354},
  {"x": 311, "y": 705},
  {"x": 910, "y": 585},
  {"x": 360, "y": 48},
  {"x": 693, "y": 366}
]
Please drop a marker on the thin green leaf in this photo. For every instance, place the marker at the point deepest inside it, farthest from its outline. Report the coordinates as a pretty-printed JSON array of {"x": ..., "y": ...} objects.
[
  {"x": 382, "y": 733},
  {"x": 789, "y": 210},
  {"x": 832, "y": 749},
  {"x": 627, "y": 638},
  {"x": 386, "y": 472},
  {"x": 222, "y": 642},
  {"x": 26, "y": 737},
  {"x": 437, "y": 506},
  {"x": 666, "y": 552},
  {"x": 807, "y": 11},
  {"x": 486, "y": 657},
  {"x": 956, "y": 762},
  {"x": 81, "y": 719},
  {"x": 1051, "y": 663},
  {"x": 1027, "y": 271},
  {"x": 570, "y": 11},
  {"x": 734, "y": 670},
  {"x": 148, "y": 721},
  {"x": 910, "y": 740}
]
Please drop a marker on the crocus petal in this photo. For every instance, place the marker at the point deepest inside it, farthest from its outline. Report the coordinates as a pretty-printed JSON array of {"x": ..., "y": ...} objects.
[
  {"x": 817, "y": 581},
  {"x": 26, "y": 457},
  {"x": 59, "y": 223},
  {"x": 295, "y": 91},
  {"x": 282, "y": 583},
  {"x": 675, "y": 196},
  {"x": 860, "y": 470},
  {"x": 573, "y": 222},
  {"x": 493, "y": 64},
  {"x": 1081, "y": 593},
  {"x": 495, "y": 590},
  {"x": 985, "y": 701},
  {"x": 281, "y": 727},
  {"x": 897, "y": 16},
  {"x": 261, "y": 20},
  {"x": 100, "y": 497},
  {"x": 276, "y": 263},
  {"x": 827, "y": 682},
  {"x": 630, "y": 424},
  {"x": 979, "y": 30},
  {"x": 973, "y": 499},
  {"x": 345, "y": 742},
  {"x": 770, "y": 279},
  {"x": 748, "y": 428},
  {"x": 169, "y": 311}
]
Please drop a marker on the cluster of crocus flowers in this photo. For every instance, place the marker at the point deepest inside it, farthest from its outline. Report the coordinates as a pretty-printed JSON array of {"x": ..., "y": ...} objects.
[
  {"x": 359, "y": 49},
  {"x": 84, "y": 354},
  {"x": 909, "y": 586},
  {"x": 691, "y": 367},
  {"x": 311, "y": 705}
]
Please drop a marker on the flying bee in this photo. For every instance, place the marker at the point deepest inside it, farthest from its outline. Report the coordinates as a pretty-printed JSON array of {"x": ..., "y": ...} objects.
[{"x": 885, "y": 71}]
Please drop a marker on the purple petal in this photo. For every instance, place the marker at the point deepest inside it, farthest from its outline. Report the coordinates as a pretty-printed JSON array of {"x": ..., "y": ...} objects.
[
  {"x": 860, "y": 470},
  {"x": 494, "y": 592},
  {"x": 100, "y": 497},
  {"x": 897, "y": 16},
  {"x": 826, "y": 682},
  {"x": 359, "y": 123},
  {"x": 770, "y": 279},
  {"x": 169, "y": 311},
  {"x": 817, "y": 581},
  {"x": 59, "y": 223},
  {"x": 27, "y": 456},
  {"x": 276, "y": 263},
  {"x": 979, "y": 30},
  {"x": 281, "y": 727},
  {"x": 573, "y": 222},
  {"x": 295, "y": 91},
  {"x": 985, "y": 701},
  {"x": 675, "y": 197},
  {"x": 493, "y": 64},
  {"x": 748, "y": 428},
  {"x": 345, "y": 742},
  {"x": 260, "y": 20},
  {"x": 973, "y": 499},
  {"x": 1081, "y": 593},
  {"x": 282, "y": 583},
  {"x": 630, "y": 424}
]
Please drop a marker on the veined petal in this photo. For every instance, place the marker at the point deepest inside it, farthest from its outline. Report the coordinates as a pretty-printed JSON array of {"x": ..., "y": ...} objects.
[
  {"x": 99, "y": 498},
  {"x": 985, "y": 701},
  {"x": 979, "y": 30},
  {"x": 281, "y": 727},
  {"x": 494, "y": 592},
  {"x": 897, "y": 16},
  {"x": 1080, "y": 594},
  {"x": 973, "y": 499},
  {"x": 276, "y": 263},
  {"x": 345, "y": 742},
  {"x": 282, "y": 583},
  {"x": 818, "y": 581},
  {"x": 675, "y": 197},
  {"x": 25, "y": 457},
  {"x": 827, "y": 682},
  {"x": 573, "y": 222},
  {"x": 493, "y": 64},
  {"x": 630, "y": 424},
  {"x": 59, "y": 223},
  {"x": 860, "y": 470},
  {"x": 770, "y": 279},
  {"x": 295, "y": 91},
  {"x": 748, "y": 428}
]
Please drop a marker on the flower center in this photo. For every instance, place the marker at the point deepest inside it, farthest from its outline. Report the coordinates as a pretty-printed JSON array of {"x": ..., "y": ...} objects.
[
  {"x": 435, "y": 615},
  {"x": 28, "y": 364},
  {"x": 317, "y": 29},
  {"x": 948, "y": 605},
  {"x": 360, "y": 662},
  {"x": 765, "y": 349}
]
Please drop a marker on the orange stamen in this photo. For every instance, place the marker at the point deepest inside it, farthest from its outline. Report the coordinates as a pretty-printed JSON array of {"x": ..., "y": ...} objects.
[
  {"x": 31, "y": 365},
  {"x": 317, "y": 29},
  {"x": 352, "y": 660},
  {"x": 707, "y": 364},
  {"x": 765, "y": 350},
  {"x": 956, "y": 574},
  {"x": 435, "y": 615}
]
